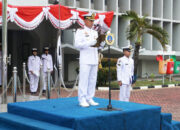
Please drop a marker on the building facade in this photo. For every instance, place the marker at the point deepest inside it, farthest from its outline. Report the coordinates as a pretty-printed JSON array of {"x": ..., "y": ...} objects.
[{"x": 164, "y": 13}]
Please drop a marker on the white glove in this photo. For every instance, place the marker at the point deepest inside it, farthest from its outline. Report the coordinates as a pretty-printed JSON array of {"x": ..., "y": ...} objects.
[
  {"x": 102, "y": 44},
  {"x": 93, "y": 42}
]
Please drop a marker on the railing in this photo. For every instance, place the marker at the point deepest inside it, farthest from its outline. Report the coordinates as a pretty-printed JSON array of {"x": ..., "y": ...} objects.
[{"x": 50, "y": 84}]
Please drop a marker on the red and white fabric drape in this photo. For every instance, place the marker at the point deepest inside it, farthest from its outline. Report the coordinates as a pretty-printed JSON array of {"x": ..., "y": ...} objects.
[{"x": 29, "y": 17}]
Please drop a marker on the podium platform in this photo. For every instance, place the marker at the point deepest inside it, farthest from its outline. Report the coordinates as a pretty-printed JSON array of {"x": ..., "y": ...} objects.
[{"x": 65, "y": 113}]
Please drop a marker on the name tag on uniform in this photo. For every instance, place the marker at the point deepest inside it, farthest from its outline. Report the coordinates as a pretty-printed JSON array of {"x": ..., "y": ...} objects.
[{"x": 119, "y": 64}]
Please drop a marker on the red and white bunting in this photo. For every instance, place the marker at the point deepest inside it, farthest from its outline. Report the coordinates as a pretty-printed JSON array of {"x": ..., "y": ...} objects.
[{"x": 29, "y": 17}]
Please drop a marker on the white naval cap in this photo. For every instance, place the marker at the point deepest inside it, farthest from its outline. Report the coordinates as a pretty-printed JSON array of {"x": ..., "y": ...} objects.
[
  {"x": 34, "y": 49},
  {"x": 46, "y": 48},
  {"x": 90, "y": 16},
  {"x": 127, "y": 48}
]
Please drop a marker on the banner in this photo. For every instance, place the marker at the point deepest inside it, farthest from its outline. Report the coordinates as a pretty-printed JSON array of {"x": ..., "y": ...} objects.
[{"x": 29, "y": 17}]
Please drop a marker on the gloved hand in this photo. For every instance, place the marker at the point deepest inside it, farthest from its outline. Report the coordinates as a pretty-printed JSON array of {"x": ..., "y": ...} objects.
[
  {"x": 102, "y": 44},
  {"x": 100, "y": 39},
  {"x": 93, "y": 43}
]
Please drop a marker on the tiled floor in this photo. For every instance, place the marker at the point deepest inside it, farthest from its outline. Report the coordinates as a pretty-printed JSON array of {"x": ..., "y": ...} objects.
[{"x": 167, "y": 98}]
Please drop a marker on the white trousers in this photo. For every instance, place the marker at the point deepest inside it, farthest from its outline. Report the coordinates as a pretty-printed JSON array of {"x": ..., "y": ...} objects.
[
  {"x": 34, "y": 80},
  {"x": 45, "y": 76},
  {"x": 124, "y": 94},
  {"x": 87, "y": 82},
  {"x": 0, "y": 76}
]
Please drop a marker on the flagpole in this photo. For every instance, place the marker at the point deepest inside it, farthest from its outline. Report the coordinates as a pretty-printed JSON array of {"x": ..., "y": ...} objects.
[
  {"x": 60, "y": 51},
  {"x": 59, "y": 31},
  {"x": 4, "y": 52}
]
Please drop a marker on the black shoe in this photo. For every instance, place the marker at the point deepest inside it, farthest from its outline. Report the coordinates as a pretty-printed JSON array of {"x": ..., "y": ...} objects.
[
  {"x": 33, "y": 93},
  {"x": 44, "y": 91}
]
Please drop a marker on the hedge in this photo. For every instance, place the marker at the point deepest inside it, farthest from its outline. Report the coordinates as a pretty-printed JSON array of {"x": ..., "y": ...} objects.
[
  {"x": 105, "y": 63},
  {"x": 103, "y": 73}
]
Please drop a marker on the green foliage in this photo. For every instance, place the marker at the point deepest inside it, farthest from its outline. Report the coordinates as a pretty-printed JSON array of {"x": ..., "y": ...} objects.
[
  {"x": 114, "y": 84},
  {"x": 140, "y": 25},
  {"x": 152, "y": 76},
  {"x": 103, "y": 73},
  {"x": 105, "y": 63},
  {"x": 137, "y": 28}
]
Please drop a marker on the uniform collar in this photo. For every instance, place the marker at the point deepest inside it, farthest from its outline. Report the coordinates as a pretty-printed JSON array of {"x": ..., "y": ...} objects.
[
  {"x": 127, "y": 57},
  {"x": 86, "y": 28}
]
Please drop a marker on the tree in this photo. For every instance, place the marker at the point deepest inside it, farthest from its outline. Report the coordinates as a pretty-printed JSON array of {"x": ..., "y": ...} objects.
[{"x": 137, "y": 28}]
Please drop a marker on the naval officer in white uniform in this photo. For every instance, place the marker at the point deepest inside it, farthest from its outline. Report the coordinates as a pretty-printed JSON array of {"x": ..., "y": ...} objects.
[
  {"x": 47, "y": 64},
  {"x": 85, "y": 39},
  {"x": 34, "y": 63},
  {"x": 0, "y": 65},
  {"x": 125, "y": 72}
]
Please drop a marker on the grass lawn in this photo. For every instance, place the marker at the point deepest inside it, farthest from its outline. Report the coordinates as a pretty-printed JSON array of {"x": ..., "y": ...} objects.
[{"x": 114, "y": 84}]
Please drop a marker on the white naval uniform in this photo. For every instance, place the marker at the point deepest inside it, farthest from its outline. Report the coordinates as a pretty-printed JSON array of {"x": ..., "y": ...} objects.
[
  {"x": 0, "y": 67},
  {"x": 125, "y": 71},
  {"x": 34, "y": 63},
  {"x": 84, "y": 39},
  {"x": 47, "y": 64}
]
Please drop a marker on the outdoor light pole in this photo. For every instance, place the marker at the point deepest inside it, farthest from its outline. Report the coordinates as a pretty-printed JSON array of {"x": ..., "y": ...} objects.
[{"x": 4, "y": 52}]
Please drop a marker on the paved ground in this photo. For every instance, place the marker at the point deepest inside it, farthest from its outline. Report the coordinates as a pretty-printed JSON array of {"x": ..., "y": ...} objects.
[{"x": 167, "y": 98}]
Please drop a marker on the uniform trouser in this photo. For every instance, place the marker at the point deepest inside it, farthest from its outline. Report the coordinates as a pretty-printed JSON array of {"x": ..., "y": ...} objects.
[
  {"x": 124, "y": 94},
  {"x": 45, "y": 76},
  {"x": 34, "y": 80},
  {"x": 87, "y": 82},
  {"x": 0, "y": 77}
]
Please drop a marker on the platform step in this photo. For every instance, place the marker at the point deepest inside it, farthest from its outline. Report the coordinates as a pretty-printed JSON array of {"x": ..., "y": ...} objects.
[
  {"x": 166, "y": 117},
  {"x": 176, "y": 125},
  {"x": 6, "y": 127},
  {"x": 10, "y": 121}
]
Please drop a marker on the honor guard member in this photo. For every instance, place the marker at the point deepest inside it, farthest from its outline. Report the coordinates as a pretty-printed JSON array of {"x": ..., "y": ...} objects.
[
  {"x": 47, "y": 64},
  {"x": 125, "y": 72},
  {"x": 0, "y": 65},
  {"x": 85, "y": 39},
  {"x": 34, "y": 63}
]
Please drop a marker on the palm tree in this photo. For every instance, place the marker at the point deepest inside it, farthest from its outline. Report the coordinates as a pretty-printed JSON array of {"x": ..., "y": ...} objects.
[{"x": 137, "y": 28}]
